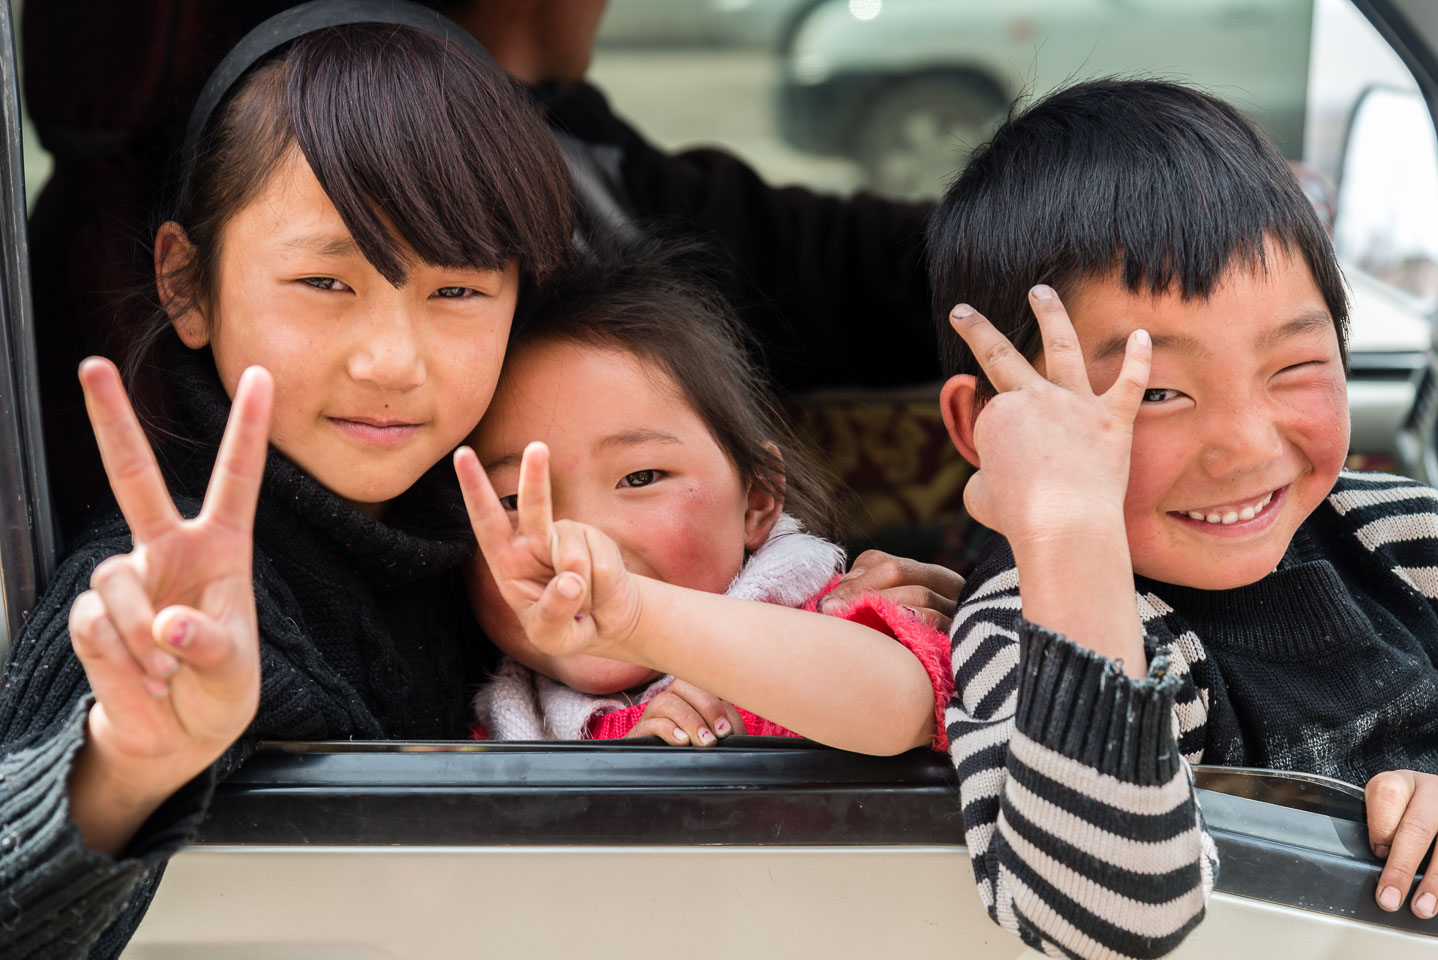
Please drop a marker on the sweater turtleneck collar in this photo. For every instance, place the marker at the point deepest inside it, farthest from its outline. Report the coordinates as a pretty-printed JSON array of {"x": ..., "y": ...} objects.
[{"x": 424, "y": 531}]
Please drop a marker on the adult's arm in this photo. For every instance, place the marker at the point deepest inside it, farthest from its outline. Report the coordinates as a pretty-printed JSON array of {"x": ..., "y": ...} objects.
[
  {"x": 834, "y": 288},
  {"x": 1079, "y": 811}
]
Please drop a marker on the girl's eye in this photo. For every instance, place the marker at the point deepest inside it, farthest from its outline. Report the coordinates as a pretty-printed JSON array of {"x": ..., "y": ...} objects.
[
  {"x": 324, "y": 283},
  {"x": 510, "y": 502},
  {"x": 1158, "y": 394},
  {"x": 456, "y": 293},
  {"x": 639, "y": 478}
]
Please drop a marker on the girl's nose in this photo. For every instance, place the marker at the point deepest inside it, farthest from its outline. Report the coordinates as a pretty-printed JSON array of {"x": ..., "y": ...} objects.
[{"x": 388, "y": 354}]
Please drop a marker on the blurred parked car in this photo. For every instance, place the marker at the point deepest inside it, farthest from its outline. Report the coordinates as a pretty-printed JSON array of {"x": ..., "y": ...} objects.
[{"x": 895, "y": 84}]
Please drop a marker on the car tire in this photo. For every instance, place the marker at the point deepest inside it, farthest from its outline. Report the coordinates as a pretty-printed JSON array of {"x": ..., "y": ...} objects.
[{"x": 916, "y": 134}]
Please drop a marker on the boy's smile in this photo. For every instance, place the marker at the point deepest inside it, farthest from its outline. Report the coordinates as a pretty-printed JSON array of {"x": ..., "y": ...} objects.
[{"x": 1244, "y": 426}]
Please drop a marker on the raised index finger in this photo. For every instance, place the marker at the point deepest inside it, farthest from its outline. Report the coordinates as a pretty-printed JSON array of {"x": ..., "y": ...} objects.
[
  {"x": 1005, "y": 367},
  {"x": 240, "y": 465},
  {"x": 129, "y": 462}
]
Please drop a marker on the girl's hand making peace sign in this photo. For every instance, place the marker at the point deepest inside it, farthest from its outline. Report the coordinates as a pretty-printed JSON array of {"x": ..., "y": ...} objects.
[
  {"x": 565, "y": 581},
  {"x": 167, "y": 633},
  {"x": 1053, "y": 474}
]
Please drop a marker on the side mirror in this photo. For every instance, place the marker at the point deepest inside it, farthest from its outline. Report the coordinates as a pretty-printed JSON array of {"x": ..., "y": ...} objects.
[{"x": 1388, "y": 192}]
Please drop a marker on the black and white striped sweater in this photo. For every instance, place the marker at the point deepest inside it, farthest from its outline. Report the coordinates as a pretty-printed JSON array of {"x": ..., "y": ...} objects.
[{"x": 1078, "y": 802}]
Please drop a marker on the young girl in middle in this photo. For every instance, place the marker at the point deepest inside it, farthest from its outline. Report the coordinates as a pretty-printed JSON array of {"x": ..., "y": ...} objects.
[{"x": 630, "y": 545}]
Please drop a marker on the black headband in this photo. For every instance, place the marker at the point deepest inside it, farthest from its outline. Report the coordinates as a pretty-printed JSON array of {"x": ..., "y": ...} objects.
[{"x": 295, "y": 23}]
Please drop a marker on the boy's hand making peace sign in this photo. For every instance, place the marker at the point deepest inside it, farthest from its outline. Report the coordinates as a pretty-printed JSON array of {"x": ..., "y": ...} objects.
[
  {"x": 1053, "y": 474},
  {"x": 167, "y": 633},
  {"x": 565, "y": 581}
]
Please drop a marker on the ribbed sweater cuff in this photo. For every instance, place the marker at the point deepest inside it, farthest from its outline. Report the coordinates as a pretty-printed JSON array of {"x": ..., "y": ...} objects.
[
  {"x": 1083, "y": 706},
  {"x": 59, "y": 894}
]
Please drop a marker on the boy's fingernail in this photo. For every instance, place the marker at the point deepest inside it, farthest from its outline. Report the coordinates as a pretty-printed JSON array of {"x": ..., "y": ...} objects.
[
  {"x": 1141, "y": 337},
  {"x": 705, "y": 736},
  {"x": 680, "y": 735},
  {"x": 179, "y": 633},
  {"x": 570, "y": 586},
  {"x": 831, "y": 605},
  {"x": 961, "y": 311},
  {"x": 722, "y": 728},
  {"x": 1390, "y": 899},
  {"x": 163, "y": 665},
  {"x": 1042, "y": 291},
  {"x": 1380, "y": 851},
  {"x": 912, "y": 612},
  {"x": 1426, "y": 905}
]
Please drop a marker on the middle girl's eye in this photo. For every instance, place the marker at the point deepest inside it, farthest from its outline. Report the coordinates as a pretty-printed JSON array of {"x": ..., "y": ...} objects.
[
  {"x": 639, "y": 478},
  {"x": 324, "y": 283},
  {"x": 1158, "y": 394}
]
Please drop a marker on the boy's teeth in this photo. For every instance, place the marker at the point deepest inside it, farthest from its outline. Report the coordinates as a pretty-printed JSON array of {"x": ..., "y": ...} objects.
[{"x": 1231, "y": 516}]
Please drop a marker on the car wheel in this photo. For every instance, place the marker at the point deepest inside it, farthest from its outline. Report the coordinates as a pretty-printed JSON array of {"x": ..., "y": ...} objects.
[{"x": 916, "y": 134}]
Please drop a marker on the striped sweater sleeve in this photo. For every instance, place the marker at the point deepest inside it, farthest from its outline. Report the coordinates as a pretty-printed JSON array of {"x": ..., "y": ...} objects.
[
  {"x": 1395, "y": 520},
  {"x": 1079, "y": 811}
]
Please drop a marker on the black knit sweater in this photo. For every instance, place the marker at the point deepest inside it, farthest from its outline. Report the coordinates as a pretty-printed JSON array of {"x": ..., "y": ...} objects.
[{"x": 364, "y": 634}]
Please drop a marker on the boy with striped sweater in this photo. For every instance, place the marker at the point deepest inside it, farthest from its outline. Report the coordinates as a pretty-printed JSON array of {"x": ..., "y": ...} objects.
[{"x": 1186, "y": 573}]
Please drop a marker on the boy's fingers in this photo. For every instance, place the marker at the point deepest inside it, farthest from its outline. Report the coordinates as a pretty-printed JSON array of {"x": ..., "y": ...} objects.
[
  {"x": 1126, "y": 394},
  {"x": 1063, "y": 357},
  {"x": 1005, "y": 367},
  {"x": 240, "y": 465},
  {"x": 1411, "y": 840},
  {"x": 129, "y": 462},
  {"x": 536, "y": 514},
  {"x": 1386, "y": 797},
  {"x": 736, "y": 721},
  {"x": 128, "y": 608},
  {"x": 486, "y": 515},
  {"x": 1425, "y": 895}
]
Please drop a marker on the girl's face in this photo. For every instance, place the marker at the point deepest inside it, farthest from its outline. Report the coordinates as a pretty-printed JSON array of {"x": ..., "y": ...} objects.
[
  {"x": 374, "y": 383},
  {"x": 629, "y": 456}
]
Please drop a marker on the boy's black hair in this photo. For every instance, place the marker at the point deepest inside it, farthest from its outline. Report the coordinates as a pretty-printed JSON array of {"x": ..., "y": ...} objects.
[
  {"x": 660, "y": 301},
  {"x": 1156, "y": 184}
]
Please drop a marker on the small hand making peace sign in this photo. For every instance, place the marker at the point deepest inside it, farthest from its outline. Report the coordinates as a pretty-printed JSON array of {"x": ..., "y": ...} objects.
[
  {"x": 167, "y": 633},
  {"x": 1049, "y": 447},
  {"x": 565, "y": 581}
]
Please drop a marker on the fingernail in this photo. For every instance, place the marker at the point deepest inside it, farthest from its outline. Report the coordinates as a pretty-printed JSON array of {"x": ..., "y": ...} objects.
[
  {"x": 570, "y": 586},
  {"x": 179, "y": 633},
  {"x": 705, "y": 736},
  {"x": 1140, "y": 337},
  {"x": 722, "y": 728},
  {"x": 1426, "y": 906},
  {"x": 831, "y": 605},
  {"x": 680, "y": 735},
  {"x": 1390, "y": 899},
  {"x": 1381, "y": 852},
  {"x": 912, "y": 612},
  {"x": 163, "y": 665},
  {"x": 154, "y": 686},
  {"x": 1042, "y": 291},
  {"x": 961, "y": 311}
]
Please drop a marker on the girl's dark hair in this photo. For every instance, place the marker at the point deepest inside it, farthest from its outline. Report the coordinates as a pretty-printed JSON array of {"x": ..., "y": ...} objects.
[
  {"x": 1156, "y": 184},
  {"x": 416, "y": 140},
  {"x": 660, "y": 301}
]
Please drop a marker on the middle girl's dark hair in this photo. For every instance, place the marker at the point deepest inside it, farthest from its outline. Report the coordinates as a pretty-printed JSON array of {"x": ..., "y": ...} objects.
[{"x": 659, "y": 301}]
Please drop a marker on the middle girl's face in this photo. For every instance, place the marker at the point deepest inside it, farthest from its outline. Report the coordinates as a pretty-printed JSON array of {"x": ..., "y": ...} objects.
[
  {"x": 374, "y": 384},
  {"x": 629, "y": 456}
]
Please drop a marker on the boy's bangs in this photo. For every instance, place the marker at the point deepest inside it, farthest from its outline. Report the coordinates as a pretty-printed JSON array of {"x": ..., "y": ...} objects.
[
  {"x": 1158, "y": 186},
  {"x": 417, "y": 143}
]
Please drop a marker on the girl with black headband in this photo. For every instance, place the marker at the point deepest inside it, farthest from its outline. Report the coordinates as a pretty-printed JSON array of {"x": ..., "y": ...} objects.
[{"x": 364, "y": 198}]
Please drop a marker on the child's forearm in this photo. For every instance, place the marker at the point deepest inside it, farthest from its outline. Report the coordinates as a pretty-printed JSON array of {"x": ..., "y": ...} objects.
[
  {"x": 1078, "y": 582},
  {"x": 829, "y": 679}
]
